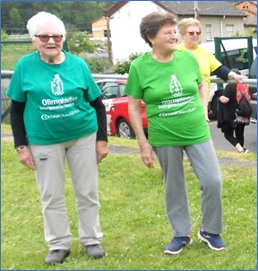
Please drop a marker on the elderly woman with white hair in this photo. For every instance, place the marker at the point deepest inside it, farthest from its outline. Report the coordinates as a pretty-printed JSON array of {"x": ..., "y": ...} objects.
[{"x": 57, "y": 114}]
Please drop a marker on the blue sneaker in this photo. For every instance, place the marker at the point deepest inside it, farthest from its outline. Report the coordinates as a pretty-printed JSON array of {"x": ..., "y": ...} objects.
[
  {"x": 177, "y": 244},
  {"x": 214, "y": 241}
]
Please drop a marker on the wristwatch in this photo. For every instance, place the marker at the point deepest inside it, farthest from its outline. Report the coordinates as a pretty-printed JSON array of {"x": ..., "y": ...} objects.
[{"x": 19, "y": 148}]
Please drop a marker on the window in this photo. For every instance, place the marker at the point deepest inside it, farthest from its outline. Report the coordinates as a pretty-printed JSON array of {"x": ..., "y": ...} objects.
[
  {"x": 235, "y": 59},
  {"x": 229, "y": 30},
  {"x": 122, "y": 90},
  {"x": 106, "y": 33},
  {"x": 110, "y": 91},
  {"x": 208, "y": 32}
]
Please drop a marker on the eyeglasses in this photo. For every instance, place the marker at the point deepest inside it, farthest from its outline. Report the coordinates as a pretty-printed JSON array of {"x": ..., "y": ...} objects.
[
  {"x": 191, "y": 33},
  {"x": 45, "y": 38}
]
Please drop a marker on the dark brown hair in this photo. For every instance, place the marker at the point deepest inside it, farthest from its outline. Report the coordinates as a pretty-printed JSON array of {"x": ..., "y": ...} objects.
[{"x": 151, "y": 24}]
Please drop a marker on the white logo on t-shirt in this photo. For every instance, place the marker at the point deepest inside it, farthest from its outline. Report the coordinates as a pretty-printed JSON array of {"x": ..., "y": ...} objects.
[
  {"x": 175, "y": 86},
  {"x": 57, "y": 86}
]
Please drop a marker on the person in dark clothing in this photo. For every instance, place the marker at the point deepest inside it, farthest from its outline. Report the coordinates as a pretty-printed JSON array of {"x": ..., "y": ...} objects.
[{"x": 233, "y": 132}]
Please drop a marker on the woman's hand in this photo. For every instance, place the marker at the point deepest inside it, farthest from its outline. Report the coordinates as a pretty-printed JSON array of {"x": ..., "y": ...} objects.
[
  {"x": 102, "y": 150},
  {"x": 25, "y": 157},
  {"x": 237, "y": 77},
  {"x": 147, "y": 154}
]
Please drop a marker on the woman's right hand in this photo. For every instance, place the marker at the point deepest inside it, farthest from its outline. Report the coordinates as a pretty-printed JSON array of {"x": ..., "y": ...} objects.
[
  {"x": 147, "y": 154},
  {"x": 25, "y": 157}
]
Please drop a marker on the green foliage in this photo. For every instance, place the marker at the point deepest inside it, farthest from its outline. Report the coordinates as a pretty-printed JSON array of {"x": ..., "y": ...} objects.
[
  {"x": 251, "y": 32},
  {"x": 4, "y": 35},
  {"x": 81, "y": 14},
  {"x": 133, "y": 218},
  {"x": 238, "y": 34},
  {"x": 80, "y": 42},
  {"x": 124, "y": 66},
  {"x": 98, "y": 65},
  {"x": 15, "y": 16}
]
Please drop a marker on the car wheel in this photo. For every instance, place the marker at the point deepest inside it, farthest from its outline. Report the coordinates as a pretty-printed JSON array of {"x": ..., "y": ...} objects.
[{"x": 124, "y": 129}]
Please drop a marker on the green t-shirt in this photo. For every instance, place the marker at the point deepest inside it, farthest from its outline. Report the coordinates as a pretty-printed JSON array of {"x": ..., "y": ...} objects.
[
  {"x": 57, "y": 98},
  {"x": 170, "y": 91}
]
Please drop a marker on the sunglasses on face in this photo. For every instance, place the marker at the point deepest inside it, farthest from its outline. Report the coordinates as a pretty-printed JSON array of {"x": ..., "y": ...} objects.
[
  {"x": 45, "y": 38},
  {"x": 191, "y": 33}
]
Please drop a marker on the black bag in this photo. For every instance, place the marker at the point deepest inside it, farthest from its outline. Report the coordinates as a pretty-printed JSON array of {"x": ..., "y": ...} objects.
[
  {"x": 244, "y": 108},
  {"x": 239, "y": 120}
]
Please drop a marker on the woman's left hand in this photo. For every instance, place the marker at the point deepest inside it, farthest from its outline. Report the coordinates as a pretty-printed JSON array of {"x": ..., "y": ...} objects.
[
  {"x": 102, "y": 150},
  {"x": 237, "y": 77}
]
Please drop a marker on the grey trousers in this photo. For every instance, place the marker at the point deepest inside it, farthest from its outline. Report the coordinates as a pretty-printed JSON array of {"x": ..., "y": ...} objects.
[
  {"x": 50, "y": 161},
  {"x": 206, "y": 166}
]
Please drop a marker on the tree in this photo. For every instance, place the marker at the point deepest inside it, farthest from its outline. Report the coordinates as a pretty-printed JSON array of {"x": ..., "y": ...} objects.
[
  {"x": 15, "y": 17},
  {"x": 79, "y": 13},
  {"x": 80, "y": 42}
]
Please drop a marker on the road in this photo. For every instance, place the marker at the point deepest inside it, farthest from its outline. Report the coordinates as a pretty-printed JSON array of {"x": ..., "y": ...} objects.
[{"x": 220, "y": 143}]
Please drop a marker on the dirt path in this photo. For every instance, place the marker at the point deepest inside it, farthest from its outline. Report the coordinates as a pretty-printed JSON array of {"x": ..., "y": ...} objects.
[{"x": 224, "y": 161}]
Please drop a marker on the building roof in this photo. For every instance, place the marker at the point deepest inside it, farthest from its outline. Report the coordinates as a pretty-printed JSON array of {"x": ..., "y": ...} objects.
[
  {"x": 250, "y": 21},
  {"x": 251, "y": 2},
  {"x": 186, "y": 8},
  {"x": 208, "y": 8}
]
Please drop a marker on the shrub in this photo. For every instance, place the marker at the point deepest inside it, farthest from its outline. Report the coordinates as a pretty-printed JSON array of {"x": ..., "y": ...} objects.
[
  {"x": 98, "y": 65},
  {"x": 4, "y": 35},
  {"x": 123, "y": 67}
]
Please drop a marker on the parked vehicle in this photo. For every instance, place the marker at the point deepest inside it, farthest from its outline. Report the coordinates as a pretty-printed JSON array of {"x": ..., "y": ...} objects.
[
  {"x": 116, "y": 103},
  {"x": 234, "y": 55}
]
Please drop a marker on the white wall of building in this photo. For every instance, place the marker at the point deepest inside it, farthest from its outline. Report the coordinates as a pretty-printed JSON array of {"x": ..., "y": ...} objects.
[{"x": 125, "y": 29}]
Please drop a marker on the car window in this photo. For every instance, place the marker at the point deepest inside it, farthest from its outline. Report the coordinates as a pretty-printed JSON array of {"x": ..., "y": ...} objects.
[
  {"x": 122, "y": 90},
  {"x": 110, "y": 91},
  {"x": 235, "y": 59}
]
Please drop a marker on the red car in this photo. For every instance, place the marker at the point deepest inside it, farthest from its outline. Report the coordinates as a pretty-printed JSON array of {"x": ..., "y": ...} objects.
[{"x": 116, "y": 103}]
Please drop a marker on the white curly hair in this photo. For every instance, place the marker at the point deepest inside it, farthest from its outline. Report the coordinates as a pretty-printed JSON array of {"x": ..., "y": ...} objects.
[{"x": 41, "y": 18}]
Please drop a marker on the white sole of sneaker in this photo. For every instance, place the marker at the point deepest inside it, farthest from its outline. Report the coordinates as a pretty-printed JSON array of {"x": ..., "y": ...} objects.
[
  {"x": 177, "y": 252},
  {"x": 172, "y": 253},
  {"x": 208, "y": 243}
]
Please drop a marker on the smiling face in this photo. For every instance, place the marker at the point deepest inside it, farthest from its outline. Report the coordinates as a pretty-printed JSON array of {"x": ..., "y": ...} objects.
[
  {"x": 192, "y": 37},
  {"x": 50, "y": 51},
  {"x": 165, "y": 41}
]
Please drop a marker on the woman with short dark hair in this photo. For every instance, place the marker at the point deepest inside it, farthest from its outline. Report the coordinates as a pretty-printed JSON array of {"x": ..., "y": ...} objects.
[{"x": 171, "y": 85}]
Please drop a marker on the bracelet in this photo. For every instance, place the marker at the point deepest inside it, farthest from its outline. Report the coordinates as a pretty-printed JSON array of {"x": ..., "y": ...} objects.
[{"x": 19, "y": 148}]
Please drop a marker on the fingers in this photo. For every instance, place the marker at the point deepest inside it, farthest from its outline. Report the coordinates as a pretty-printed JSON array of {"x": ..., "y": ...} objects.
[
  {"x": 101, "y": 157},
  {"x": 28, "y": 163},
  {"x": 148, "y": 160},
  {"x": 26, "y": 159}
]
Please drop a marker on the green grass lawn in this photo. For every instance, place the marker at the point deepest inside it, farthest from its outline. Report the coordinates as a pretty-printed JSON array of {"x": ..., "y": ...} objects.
[
  {"x": 133, "y": 218},
  {"x": 12, "y": 52}
]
